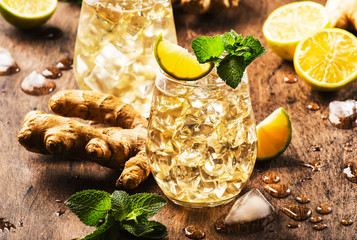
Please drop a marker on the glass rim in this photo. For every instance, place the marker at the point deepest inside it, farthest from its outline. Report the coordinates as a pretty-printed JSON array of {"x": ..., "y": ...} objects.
[
  {"x": 151, "y": 4},
  {"x": 193, "y": 83}
]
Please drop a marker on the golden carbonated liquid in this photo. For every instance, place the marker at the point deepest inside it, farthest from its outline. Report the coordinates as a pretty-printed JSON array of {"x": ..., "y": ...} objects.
[
  {"x": 114, "y": 47},
  {"x": 202, "y": 139}
]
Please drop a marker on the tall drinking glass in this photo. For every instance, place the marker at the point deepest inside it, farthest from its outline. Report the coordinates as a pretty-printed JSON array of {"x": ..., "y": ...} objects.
[
  {"x": 202, "y": 141},
  {"x": 114, "y": 47}
]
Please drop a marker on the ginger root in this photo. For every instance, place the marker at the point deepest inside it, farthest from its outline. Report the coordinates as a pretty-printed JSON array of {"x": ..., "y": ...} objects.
[
  {"x": 203, "y": 6},
  {"x": 122, "y": 145},
  {"x": 342, "y": 13}
]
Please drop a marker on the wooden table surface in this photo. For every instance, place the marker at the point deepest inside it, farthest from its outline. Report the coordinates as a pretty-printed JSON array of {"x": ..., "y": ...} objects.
[{"x": 31, "y": 183}]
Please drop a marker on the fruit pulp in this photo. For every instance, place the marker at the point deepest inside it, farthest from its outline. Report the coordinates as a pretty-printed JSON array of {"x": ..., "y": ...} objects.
[
  {"x": 114, "y": 47},
  {"x": 202, "y": 141}
]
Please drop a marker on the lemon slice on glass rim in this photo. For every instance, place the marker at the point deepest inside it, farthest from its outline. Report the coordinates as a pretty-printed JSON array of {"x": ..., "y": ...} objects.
[
  {"x": 27, "y": 14},
  {"x": 178, "y": 62}
]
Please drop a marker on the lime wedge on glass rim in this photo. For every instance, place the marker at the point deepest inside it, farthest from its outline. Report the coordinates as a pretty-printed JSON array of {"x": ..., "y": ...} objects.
[
  {"x": 27, "y": 14},
  {"x": 178, "y": 62}
]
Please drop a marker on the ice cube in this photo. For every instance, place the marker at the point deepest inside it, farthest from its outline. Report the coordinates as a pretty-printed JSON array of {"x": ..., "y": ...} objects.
[
  {"x": 6, "y": 60},
  {"x": 137, "y": 23},
  {"x": 250, "y": 213},
  {"x": 110, "y": 63},
  {"x": 342, "y": 114}
]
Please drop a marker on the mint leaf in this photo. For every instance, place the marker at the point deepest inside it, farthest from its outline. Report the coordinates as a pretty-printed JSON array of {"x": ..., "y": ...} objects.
[
  {"x": 159, "y": 232},
  {"x": 120, "y": 212},
  {"x": 121, "y": 204},
  {"x": 231, "y": 70},
  {"x": 146, "y": 205},
  {"x": 137, "y": 229},
  {"x": 100, "y": 232},
  {"x": 207, "y": 49},
  {"x": 239, "y": 54},
  {"x": 231, "y": 41},
  {"x": 90, "y": 206},
  {"x": 255, "y": 49}
]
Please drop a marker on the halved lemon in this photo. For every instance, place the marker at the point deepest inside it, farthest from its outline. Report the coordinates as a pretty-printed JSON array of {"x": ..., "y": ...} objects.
[
  {"x": 288, "y": 24},
  {"x": 178, "y": 62},
  {"x": 274, "y": 135},
  {"x": 327, "y": 60},
  {"x": 27, "y": 14}
]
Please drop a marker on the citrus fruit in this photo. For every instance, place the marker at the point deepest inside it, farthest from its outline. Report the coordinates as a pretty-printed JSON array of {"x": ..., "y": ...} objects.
[
  {"x": 274, "y": 135},
  {"x": 178, "y": 62},
  {"x": 327, "y": 60},
  {"x": 27, "y": 14},
  {"x": 287, "y": 25}
]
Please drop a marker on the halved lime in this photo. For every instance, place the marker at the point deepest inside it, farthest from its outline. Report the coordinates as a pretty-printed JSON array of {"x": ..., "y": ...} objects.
[
  {"x": 327, "y": 59},
  {"x": 178, "y": 62},
  {"x": 288, "y": 24},
  {"x": 27, "y": 14},
  {"x": 274, "y": 135}
]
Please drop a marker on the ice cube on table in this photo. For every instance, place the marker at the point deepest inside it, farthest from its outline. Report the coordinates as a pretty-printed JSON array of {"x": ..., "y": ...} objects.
[
  {"x": 343, "y": 114},
  {"x": 6, "y": 60},
  {"x": 250, "y": 213}
]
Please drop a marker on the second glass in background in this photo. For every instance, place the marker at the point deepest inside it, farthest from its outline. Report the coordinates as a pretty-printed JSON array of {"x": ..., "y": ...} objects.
[{"x": 114, "y": 47}]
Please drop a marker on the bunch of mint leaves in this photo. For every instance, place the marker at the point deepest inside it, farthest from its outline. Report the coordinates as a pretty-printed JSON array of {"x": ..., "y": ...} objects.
[
  {"x": 114, "y": 213},
  {"x": 240, "y": 52}
]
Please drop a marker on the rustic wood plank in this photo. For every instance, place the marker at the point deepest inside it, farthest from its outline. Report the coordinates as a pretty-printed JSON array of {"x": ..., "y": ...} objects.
[{"x": 31, "y": 184}]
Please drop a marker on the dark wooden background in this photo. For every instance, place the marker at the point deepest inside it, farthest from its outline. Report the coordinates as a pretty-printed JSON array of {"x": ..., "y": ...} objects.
[{"x": 30, "y": 183}]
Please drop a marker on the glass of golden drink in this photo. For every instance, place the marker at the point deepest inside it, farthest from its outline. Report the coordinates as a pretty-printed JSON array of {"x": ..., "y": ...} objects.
[
  {"x": 114, "y": 47},
  {"x": 202, "y": 141}
]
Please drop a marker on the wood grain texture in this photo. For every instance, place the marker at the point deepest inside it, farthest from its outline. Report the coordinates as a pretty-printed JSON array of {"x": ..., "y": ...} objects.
[{"x": 30, "y": 183}]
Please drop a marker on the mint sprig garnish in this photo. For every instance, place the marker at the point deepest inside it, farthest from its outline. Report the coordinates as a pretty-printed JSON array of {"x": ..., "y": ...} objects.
[
  {"x": 240, "y": 52},
  {"x": 117, "y": 212}
]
